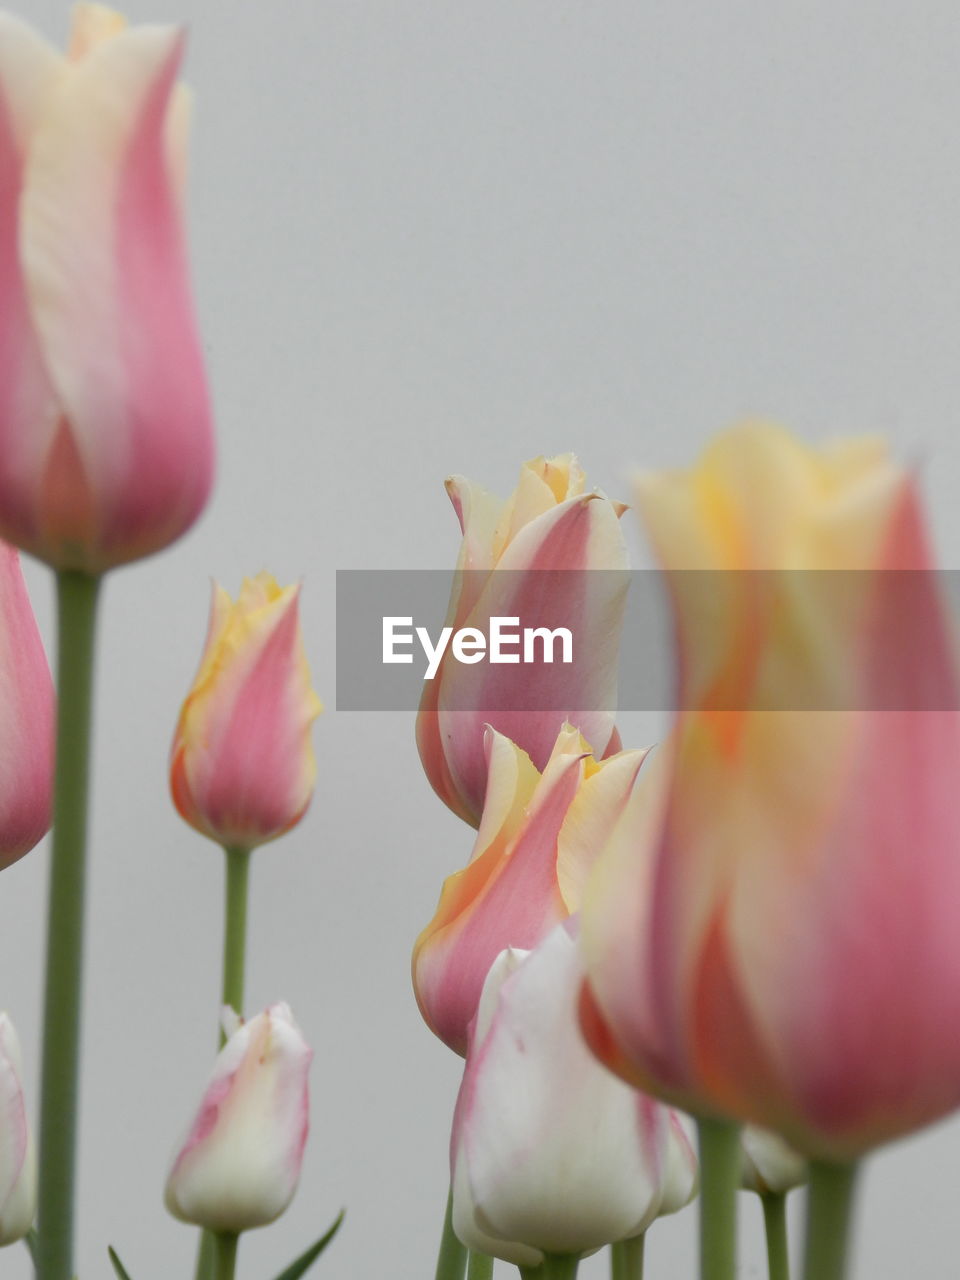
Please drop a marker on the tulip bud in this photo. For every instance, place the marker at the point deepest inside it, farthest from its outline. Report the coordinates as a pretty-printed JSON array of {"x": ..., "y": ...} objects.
[
  {"x": 552, "y": 556},
  {"x": 242, "y": 767},
  {"x": 106, "y": 442},
  {"x": 768, "y": 1165},
  {"x": 550, "y": 1152},
  {"x": 240, "y": 1163},
  {"x": 537, "y": 841},
  {"x": 18, "y": 1171},
  {"x": 771, "y": 933},
  {"x": 27, "y": 715}
]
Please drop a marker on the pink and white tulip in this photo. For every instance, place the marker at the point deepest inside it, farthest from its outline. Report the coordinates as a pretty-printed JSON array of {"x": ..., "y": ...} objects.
[
  {"x": 771, "y": 933},
  {"x": 537, "y": 841},
  {"x": 550, "y": 1152},
  {"x": 552, "y": 556},
  {"x": 768, "y": 1165},
  {"x": 240, "y": 1164},
  {"x": 27, "y": 717},
  {"x": 18, "y": 1170},
  {"x": 106, "y": 442},
  {"x": 242, "y": 765}
]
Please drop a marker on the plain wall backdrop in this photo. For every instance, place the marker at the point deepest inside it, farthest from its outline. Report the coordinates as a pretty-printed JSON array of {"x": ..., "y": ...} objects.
[{"x": 437, "y": 236}]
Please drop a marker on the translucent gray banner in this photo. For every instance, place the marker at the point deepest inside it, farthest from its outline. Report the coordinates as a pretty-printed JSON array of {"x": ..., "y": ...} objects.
[{"x": 549, "y": 640}]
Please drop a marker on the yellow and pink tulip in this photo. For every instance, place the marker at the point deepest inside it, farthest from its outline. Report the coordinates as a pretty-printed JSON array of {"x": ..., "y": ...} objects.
[
  {"x": 771, "y": 933},
  {"x": 106, "y": 442},
  {"x": 242, "y": 766},
  {"x": 537, "y": 840},
  {"x": 552, "y": 555}
]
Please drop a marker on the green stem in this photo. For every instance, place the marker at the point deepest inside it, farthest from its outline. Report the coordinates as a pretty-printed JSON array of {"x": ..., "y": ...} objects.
[
  {"x": 236, "y": 894},
  {"x": 775, "y": 1225},
  {"x": 452, "y": 1259},
  {"x": 225, "y": 1254},
  {"x": 480, "y": 1267},
  {"x": 206, "y": 1256},
  {"x": 76, "y": 626},
  {"x": 235, "y": 929},
  {"x": 829, "y": 1217},
  {"x": 626, "y": 1259},
  {"x": 719, "y": 1180}
]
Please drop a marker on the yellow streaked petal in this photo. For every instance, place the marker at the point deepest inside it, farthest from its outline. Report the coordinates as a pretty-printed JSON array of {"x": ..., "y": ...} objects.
[{"x": 93, "y": 24}]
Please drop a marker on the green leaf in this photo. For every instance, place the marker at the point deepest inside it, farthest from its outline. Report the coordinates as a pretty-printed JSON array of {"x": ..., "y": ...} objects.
[
  {"x": 296, "y": 1269},
  {"x": 117, "y": 1264},
  {"x": 30, "y": 1240}
]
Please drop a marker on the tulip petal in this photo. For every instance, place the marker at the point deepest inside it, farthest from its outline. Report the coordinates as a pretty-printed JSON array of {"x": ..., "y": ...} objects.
[
  {"x": 769, "y": 1165},
  {"x": 593, "y": 813},
  {"x": 551, "y": 556},
  {"x": 552, "y": 1151},
  {"x": 240, "y": 1163},
  {"x": 29, "y": 73},
  {"x": 507, "y": 895},
  {"x": 771, "y": 932},
  {"x": 17, "y": 1159},
  {"x": 544, "y": 578},
  {"x": 243, "y": 769},
  {"x": 27, "y": 715},
  {"x": 105, "y": 263}
]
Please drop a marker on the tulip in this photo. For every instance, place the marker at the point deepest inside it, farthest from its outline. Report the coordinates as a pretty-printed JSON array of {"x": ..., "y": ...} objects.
[
  {"x": 771, "y": 933},
  {"x": 106, "y": 446},
  {"x": 550, "y": 1152},
  {"x": 240, "y": 1164},
  {"x": 768, "y": 1165},
  {"x": 527, "y": 558},
  {"x": 242, "y": 765},
  {"x": 18, "y": 1172},
  {"x": 536, "y": 843},
  {"x": 27, "y": 715}
]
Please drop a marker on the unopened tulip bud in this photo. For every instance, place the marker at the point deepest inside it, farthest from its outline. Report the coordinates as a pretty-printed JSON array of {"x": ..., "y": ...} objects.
[
  {"x": 242, "y": 766},
  {"x": 550, "y": 1152},
  {"x": 552, "y": 555},
  {"x": 771, "y": 932},
  {"x": 18, "y": 1172},
  {"x": 106, "y": 440},
  {"x": 537, "y": 842},
  {"x": 768, "y": 1165},
  {"x": 240, "y": 1164}
]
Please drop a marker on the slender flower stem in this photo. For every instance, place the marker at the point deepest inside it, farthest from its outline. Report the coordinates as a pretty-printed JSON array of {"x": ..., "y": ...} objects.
[
  {"x": 829, "y": 1217},
  {"x": 452, "y": 1259},
  {"x": 236, "y": 893},
  {"x": 235, "y": 929},
  {"x": 775, "y": 1225},
  {"x": 206, "y": 1256},
  {"x": 76, "y": 626},
  {"x": 480, "y": 1267},
  {"x": 719, "y": 1180},
  {"x": 626, "y": 1259},
  {"x": 225, "y": 1254}
]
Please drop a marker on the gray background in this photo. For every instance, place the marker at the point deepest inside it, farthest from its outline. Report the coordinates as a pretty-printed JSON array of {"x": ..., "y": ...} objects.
[{"x": 440, "y": 236}]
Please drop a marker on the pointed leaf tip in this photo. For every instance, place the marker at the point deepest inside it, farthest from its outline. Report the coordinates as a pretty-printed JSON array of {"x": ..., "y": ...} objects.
[
  {"x": 297, "y": 1268},
  {"x": 117, "y": 1264}
]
